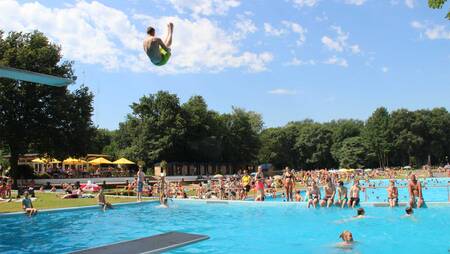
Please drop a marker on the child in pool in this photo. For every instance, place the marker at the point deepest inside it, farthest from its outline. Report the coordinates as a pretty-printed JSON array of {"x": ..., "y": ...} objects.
[{"x": 347, "y": 240}]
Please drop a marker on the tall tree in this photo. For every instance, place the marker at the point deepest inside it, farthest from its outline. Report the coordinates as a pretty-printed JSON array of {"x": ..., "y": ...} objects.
[
  {"x": 35, "y": 117},
  {"x": 438, "y": 4},
  {"x": 378, "y": 136}
]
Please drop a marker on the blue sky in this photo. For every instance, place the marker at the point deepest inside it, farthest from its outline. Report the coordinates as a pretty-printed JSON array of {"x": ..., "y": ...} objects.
[{"x": 287, "y": 59}]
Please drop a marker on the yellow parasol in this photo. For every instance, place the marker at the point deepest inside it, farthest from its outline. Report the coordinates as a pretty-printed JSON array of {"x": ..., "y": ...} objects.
[
  {"x": 123, "y": 161},
  {"x": 99, "y": 161},
  {"x": 39, "y": 161},
  {"x": 73, "y": 161}
]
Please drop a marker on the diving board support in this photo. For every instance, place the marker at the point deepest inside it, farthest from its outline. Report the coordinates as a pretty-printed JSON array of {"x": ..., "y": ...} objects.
[
  {"x": 34, "y": 77},
  {"x": 147, "y": 245}
]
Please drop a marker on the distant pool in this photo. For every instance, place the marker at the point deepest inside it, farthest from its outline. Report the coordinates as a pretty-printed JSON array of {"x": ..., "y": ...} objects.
[
  {"x": 250, "y": 228},
  {"x": 434, "y": 189}
]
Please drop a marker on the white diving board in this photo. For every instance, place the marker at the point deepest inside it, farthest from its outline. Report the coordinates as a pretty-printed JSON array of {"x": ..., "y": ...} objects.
[
  {"x": 147, "y": 245},
  {"x": 34, "y": 77}
]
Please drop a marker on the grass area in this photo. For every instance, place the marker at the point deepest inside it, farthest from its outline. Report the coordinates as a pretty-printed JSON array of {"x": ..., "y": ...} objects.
[{"x": 51, "y": 200}]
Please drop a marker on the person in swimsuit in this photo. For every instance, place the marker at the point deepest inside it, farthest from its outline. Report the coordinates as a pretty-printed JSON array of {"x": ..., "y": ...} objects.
[
  {"x": 360, "y": 213},
  {"x": 298, "y": 196},
  {"x": 246, "y": 182},
  {"x": 140, "y": 183},
  {"x": 354, "y": 194},
  {"x": 259, "y": 184},
  {"x": 330, "y": 192},
  {"x": 392, "y": 191},
  {"x": 27, "y": 205},
  {"x": 342, "y": 195},
  {"x": 288, "y": 184},
  {"x": 314, "y": 195},
  {"x": 156, "y": 49},
  {"x": 102, "y": 201},
  {"x": 415, "y": 192}
]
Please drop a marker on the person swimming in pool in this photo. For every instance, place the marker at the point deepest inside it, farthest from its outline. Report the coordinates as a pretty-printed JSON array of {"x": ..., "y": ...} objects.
[
  {"x": 415, "y": 192},
  {"x": 347, "y": 240},
  {"x": 360, "y": 213},
  {"x": 354, "y": 194},
  {"x": 314, "y": 195},
  {"x": 330, "y": 192},
  {"x": 392, "y": 191},
  {"x": 156, "y": 49},
  {"x": 342, "y": 195}
]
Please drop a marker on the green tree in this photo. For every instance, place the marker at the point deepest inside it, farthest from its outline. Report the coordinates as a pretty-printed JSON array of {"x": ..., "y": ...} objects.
[
  {"x": 352, "y": 153},
  {"x": 438, "y": 4},
  {"x": 40, "y": 118},
  {"x": 378, "y": 136}
]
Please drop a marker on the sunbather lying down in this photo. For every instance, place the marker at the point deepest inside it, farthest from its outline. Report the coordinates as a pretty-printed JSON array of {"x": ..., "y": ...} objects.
[{"x": 156, "y": 49}]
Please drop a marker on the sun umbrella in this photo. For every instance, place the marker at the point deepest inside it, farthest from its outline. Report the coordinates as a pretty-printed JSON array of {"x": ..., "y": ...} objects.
[
  {"x": 71, "y": 161},
  {"x": 123, "y": 161},
  {"x": 55, "y": 161},
  {"x": 39, "y": 161},
  {"x": 218, "y": 176},
  {"x": 99, "y": 161}
]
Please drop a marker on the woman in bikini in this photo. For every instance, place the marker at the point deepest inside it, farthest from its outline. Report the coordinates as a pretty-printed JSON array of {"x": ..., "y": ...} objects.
[
  {"x": 392, "y": 191},
  {"x": 288, "y": 184}
]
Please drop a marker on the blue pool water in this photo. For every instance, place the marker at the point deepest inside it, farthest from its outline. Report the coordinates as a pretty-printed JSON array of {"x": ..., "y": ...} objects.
[{"x": 248, "y": 228}]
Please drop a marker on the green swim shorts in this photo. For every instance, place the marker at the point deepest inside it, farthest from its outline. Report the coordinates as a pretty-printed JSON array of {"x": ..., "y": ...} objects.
[{"x": 164, "y": 57}]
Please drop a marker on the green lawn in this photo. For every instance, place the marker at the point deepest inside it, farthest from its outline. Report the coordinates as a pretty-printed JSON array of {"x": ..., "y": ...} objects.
[{"x": 51, "y": 200}]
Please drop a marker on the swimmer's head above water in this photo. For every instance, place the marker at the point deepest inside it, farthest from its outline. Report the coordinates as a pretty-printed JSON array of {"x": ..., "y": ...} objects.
[{"x": 346, "y": 236}]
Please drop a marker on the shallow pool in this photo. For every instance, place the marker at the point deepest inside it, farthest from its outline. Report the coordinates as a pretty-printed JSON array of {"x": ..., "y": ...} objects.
[{"x": 234, "y": 228}]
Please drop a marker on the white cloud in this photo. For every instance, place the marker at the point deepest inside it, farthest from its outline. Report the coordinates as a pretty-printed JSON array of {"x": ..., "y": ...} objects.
[
  {"x": 339, "y": 43},
  {"x": 204, "y": 7},
  {"x": 297, "y": 62},
  {"x": 302, "y": 3},
  {"x": 410, "y": 3},
  {"x": 432, "y": 32},
  {"x": 243, "y": 26},
  {"x": 93, "y": 33},
  {"x": 270, "y": 30},
  {"x": 298, "y": 29},
  {"x": 384, "y": 69},
  {"x": 355, "y": 2},
  {"x": 282, "y": 91},
  {"x": 336, "y": 61}
]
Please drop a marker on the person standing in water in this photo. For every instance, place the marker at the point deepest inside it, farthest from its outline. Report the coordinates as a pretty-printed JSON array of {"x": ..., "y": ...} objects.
[
  {"x": 415, "y": 192},
  {"x": 140, "y": 183},
  {"x": 158, "y": 50},
  {"x": 392, "y": 194}
]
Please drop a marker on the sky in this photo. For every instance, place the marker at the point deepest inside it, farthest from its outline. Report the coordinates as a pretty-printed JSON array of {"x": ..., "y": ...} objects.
[{"x": 286, "y": 59}]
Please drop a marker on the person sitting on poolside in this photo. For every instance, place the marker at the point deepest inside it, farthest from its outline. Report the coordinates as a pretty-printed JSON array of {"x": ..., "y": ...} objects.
[
  {"x": 102, "y": 200},
  {"x": 354, "y": 194},
  {"x": 415, "y": 192},
  {"x": 347, "y": 240},
  {"x": 330, "y": 192},
  {"x": 314, "y": 195},
  {"x": 298, "y": 196},
  {"x": 27, "y": 205},
  {"x": 342, "y": 195},
  {"x": 156, "y": 49},
  {"x": 392, "y": 194}
]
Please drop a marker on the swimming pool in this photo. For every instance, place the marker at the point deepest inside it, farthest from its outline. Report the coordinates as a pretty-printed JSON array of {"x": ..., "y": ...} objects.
[{"x": 236, "y": 227}]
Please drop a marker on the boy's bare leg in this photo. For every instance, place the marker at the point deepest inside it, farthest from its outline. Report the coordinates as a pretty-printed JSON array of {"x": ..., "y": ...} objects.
[{"x": 168, "y": 39}]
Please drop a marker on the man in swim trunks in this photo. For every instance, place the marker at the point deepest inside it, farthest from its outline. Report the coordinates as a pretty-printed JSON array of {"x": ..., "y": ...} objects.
[
  {"x": 342, "y": 195},
  {"x": 415, "y": 192},
  {"x": 156, "y": 49},
  {"x": 140, "y": 183},
  {"x": 314, "y": 195},
  {"x": 392, "y": 194},
  {"x": 330, "y": 192},
  {"x": 354, "y": 194}
]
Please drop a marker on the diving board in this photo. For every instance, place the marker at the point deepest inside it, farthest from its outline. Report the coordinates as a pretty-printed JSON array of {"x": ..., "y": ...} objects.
[
  {"x": 147, "y": 245},
  {"x": 34, "y": 77}
]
